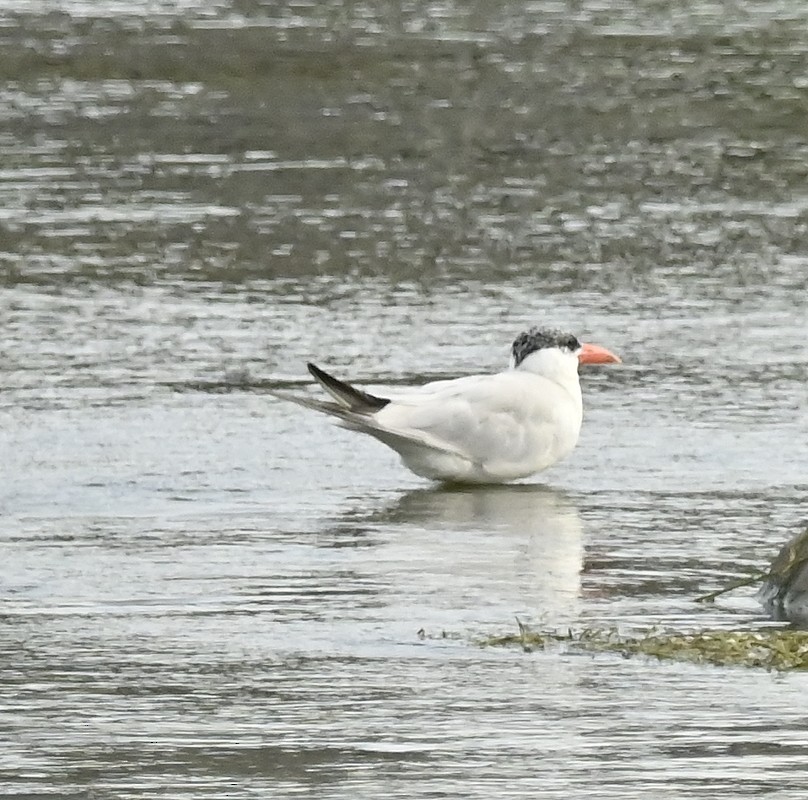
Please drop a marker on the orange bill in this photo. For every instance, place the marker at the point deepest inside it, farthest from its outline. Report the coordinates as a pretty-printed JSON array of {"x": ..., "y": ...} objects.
[{"x": 595, "y": 354}]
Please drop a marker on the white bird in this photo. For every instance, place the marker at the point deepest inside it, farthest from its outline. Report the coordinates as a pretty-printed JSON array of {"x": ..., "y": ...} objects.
[{"x": 481, "y": 428}]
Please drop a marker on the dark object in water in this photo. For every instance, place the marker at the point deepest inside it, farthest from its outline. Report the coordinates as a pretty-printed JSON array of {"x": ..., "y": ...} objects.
[{"x": 784, "y": 591}]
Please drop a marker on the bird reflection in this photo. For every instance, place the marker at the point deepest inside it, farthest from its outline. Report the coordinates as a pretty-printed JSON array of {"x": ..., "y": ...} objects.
[{"x": 520, "y": 546}]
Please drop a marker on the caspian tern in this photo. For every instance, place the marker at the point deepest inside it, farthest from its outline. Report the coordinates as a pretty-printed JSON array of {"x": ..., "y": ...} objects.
[{"x": 481, "y": 428}]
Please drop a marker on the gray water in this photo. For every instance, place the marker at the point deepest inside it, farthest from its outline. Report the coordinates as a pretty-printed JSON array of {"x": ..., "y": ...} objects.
[{"x": 208, "y": 593}]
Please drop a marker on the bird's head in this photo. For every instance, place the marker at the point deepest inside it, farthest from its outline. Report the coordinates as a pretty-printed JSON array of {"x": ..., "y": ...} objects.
[{"x": 548, "y": 351}]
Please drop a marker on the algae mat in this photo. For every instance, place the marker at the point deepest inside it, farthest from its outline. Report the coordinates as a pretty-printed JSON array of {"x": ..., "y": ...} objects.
[{"x": 775, "y": 649}]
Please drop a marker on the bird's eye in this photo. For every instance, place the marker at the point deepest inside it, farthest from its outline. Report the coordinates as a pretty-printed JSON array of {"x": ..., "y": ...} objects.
[{"x": 572, "y": 343}]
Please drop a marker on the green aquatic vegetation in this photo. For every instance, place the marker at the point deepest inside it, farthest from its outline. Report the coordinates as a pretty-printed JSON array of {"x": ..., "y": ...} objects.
[
  {"x": 771, "y": 648},
  {"x": 775, "y": 649}
]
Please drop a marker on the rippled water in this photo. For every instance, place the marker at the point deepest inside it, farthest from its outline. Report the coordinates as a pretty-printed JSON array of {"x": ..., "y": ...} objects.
[{"x": 209, "y": 593}]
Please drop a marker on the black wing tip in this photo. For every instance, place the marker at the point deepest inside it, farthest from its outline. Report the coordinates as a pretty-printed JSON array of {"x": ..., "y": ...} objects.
[{"x": 358, "y": 401}]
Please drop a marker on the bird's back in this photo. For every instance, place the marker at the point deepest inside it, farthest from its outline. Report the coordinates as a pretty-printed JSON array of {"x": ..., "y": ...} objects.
[{"x": 483, "y": 428}]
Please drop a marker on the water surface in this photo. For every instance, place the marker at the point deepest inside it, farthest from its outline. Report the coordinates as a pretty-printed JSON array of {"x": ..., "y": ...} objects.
[{"x": 209, "y": 593}]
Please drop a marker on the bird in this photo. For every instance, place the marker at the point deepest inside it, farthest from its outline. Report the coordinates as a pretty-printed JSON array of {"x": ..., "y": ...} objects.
[{"x": 477, "y": 429}]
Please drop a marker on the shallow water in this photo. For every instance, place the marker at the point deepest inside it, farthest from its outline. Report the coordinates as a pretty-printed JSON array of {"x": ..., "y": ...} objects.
[{"x": 209, "y": 593}]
